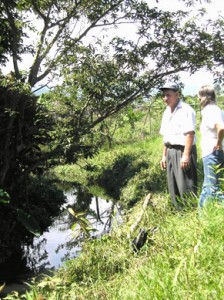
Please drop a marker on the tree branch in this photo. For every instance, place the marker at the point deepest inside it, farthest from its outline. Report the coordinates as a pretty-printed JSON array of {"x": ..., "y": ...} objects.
[
  {"x": 14, "y": 39},
  {"x": 33, "y": 78}
]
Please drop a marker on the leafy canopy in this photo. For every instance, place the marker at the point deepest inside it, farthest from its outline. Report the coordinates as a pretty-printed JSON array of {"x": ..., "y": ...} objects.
[{"x": 55, "y": 33}]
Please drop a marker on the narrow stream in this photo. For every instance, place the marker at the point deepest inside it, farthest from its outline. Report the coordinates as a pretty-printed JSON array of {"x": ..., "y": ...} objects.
[{"x": 55, "y": 246}]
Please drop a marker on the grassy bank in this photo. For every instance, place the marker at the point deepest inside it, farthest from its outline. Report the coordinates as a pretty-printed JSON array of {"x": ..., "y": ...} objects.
[
  {"x": 182, "y": 259},
  {"x": 124, "y": 173}
]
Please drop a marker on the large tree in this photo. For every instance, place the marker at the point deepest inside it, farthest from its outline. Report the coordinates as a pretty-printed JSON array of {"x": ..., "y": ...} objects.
[
  {"x": 52, "y": 33},
  {"x": 100, "y": 77}
]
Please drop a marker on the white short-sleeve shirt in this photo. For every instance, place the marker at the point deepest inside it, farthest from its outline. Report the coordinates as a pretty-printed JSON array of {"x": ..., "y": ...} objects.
[
  {"x": 211, "y": 115},
  {"x": 176, "y": 124}
]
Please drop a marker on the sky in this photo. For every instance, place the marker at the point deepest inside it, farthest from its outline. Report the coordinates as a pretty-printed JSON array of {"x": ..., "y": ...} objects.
[{"x": 191, "y": 82}]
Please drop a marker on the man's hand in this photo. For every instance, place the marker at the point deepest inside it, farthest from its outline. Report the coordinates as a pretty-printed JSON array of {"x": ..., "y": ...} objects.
[
  {"x": 185, "y": 161},
  {"x": 163, "y": 163}
]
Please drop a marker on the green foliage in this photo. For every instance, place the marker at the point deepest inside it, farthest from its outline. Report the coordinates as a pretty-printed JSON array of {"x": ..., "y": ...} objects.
[
  {"x": 117, "y": 176},
  {"x": 70, "y": 173},
  {"x": 28, "y": 222},
  {"x": 125, "y": 172},
  {"x": 132, "y": 173},
  {"x": 23, "y": 132},
  {"x": 194, "y": 102},
  {"x": 2, "y": 287},
  {"x": 84, "y": 224},
  {"x": 59, "y": 45},
  {"x": 43, "y": 191},
  {"x": 149, "y": 180},
  {"x": 72, "y": 135},
  {"x": 4, "y": 197}
]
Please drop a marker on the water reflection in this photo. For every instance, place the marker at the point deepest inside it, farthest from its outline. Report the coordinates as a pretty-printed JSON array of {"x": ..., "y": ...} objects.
[{"x": 58, "y": 244}]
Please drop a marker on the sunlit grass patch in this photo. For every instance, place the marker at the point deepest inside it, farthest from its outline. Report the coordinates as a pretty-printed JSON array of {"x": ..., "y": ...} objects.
[{"x": 186, "y": 261}]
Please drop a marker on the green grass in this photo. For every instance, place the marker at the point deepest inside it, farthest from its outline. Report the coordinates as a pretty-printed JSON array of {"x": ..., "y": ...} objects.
[
  {"x": 183, "y": 259},
  {"x": 125, "y": 173}
]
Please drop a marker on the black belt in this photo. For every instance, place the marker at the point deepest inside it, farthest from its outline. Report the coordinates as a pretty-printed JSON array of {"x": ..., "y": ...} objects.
[{"x": 177, "y": 147}]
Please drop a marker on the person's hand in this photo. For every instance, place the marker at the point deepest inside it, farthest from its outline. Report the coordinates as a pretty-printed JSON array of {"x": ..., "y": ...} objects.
[
  {"x": 185, "y": 161},
  {"x": 163, "y": 163},
  {"x": 217, "y": 147}
]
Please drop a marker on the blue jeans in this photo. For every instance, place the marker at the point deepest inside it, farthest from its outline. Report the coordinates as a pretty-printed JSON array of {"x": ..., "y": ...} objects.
[{"x": 211, "y": 189}]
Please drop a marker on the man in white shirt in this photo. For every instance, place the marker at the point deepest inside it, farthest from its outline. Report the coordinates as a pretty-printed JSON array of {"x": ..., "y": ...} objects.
[{"x": 179, "y": 152}]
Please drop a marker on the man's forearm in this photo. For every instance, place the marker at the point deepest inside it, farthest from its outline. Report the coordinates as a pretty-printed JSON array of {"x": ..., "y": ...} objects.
[{"x": 189, "y": 142}]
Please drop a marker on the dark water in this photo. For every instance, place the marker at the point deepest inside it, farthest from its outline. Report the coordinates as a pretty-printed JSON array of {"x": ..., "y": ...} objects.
[{"x": 57, "y": 244}]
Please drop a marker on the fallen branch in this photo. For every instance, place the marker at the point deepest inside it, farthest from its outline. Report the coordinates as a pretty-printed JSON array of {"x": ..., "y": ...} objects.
[{"x": 135, "y": 225}]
